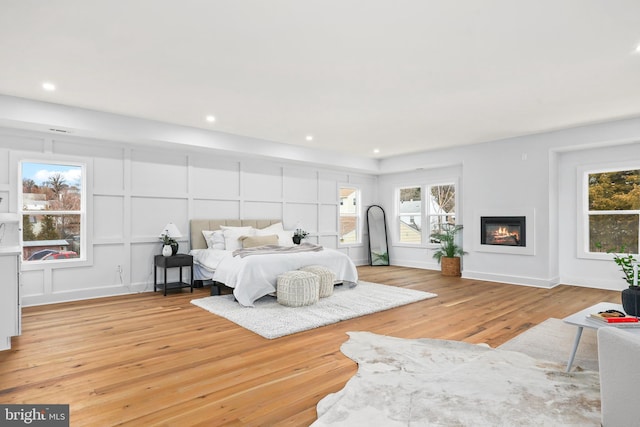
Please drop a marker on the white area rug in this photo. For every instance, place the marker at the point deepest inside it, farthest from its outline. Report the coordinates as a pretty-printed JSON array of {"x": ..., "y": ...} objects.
[
  {"x": 272, "y": 320},
  {"x": 428, "y": 382},
  {"x": 553, "y": 340}
]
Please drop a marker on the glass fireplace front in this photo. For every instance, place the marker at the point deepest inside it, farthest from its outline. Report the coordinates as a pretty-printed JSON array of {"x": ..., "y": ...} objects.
[{"x": 503, "y": 230}]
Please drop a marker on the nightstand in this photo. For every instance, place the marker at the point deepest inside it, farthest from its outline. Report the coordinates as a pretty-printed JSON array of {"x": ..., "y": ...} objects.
[{"x": 175, "y": 261}]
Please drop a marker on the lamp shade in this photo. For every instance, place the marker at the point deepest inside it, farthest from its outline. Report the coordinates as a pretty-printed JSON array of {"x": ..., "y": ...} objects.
[{"x": 171, "y": 230}]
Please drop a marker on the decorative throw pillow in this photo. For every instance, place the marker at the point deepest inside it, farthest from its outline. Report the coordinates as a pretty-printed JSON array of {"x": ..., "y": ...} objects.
[
  {"x": 232, "y": 236},
  {"x": 254, "y": 241},
  {"x": 214, "y": 239},
  {"x": 284, "y": 236}
]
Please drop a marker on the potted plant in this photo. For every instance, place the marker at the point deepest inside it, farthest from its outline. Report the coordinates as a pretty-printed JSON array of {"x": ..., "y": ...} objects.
[
  {"x": 449, "y": 253},
  {"x": 631, "y": 295},
  {"x": 298, "y": 235},
  {"x": 170, "y": 245}
]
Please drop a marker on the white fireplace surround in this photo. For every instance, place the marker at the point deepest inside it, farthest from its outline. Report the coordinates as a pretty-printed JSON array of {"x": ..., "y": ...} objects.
[{"x": 529, "y": 249}]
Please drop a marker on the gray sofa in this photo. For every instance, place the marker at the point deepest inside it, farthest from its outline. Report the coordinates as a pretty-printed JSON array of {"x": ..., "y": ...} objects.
[{"x": 619, "y": 361}]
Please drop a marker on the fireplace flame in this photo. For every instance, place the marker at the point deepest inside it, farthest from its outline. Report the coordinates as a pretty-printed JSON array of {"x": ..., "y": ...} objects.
[{"x": 502, "y": 234}]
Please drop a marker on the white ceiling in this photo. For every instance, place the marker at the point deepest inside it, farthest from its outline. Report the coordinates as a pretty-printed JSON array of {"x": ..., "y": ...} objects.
[{"x": 401, "y": 76}]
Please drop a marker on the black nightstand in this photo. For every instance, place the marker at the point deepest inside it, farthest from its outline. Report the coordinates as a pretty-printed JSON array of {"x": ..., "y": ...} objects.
[{"x": 179, "y": 260}]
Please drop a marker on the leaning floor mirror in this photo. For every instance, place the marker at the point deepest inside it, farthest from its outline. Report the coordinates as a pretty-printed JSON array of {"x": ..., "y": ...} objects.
[{"x": 377, "y": 228}]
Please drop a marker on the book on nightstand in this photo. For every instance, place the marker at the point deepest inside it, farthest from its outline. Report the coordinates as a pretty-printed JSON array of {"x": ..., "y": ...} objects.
[{"x": 619, "y": 321}]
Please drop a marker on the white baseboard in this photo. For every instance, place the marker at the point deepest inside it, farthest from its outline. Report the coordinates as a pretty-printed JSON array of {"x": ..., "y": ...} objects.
[
  {"x": 615, "y": 284},
  {"x": 5, "y": 344},
  {"x": 81, "y": 294},
  {"x": 512, "y": 280}
]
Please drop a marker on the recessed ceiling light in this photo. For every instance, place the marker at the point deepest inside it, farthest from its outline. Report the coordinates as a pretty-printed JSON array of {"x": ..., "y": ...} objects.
[
  {"x": 638, "y": 48},
  {"x": 376, "y": 151},
  {"x": 309, "y": 137},
  {"x": 50, "y": 87},
  {"x": 210, "y": 119}
]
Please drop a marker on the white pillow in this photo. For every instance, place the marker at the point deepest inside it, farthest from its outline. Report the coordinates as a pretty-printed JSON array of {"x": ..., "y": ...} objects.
[
  {"x": 232, "y": 237},
  {"x": 244, "y": 229},
  {"x": 285, "y": 238},
  {"x": 214, "y": 239},
  {"x": 272, "y": 229}
]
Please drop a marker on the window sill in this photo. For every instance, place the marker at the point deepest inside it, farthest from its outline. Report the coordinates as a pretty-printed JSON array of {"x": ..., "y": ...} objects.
[{"x": 63, "y": 263}]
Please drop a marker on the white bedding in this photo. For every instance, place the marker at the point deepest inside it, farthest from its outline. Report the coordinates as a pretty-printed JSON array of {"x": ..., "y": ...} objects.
[
  {"x": 207, "y": 260},
  {"x": 255, "y": 276}
]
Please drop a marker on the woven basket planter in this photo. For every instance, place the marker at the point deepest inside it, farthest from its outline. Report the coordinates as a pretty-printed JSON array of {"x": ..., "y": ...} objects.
[
  {"x": 326, "y": 277},
  {"x": 450, "y": 266},
  {"x": 297, "y": 288}
]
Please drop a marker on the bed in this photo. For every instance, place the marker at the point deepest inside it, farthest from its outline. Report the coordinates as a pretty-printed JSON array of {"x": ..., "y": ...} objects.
[{"x": 252, "y": 277}]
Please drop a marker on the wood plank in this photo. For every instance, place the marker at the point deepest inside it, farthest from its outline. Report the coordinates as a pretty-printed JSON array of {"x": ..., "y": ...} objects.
[{"x": 145, "y": 359}]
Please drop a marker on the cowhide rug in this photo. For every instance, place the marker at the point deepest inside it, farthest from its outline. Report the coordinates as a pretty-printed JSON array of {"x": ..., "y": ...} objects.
[{"x": 403, "y": 382}]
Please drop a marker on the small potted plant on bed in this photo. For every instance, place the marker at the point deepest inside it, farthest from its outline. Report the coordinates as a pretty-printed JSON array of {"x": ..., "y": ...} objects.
[
  {"x": 298, "y": 235},
  {"x": 449, "y": 253}
]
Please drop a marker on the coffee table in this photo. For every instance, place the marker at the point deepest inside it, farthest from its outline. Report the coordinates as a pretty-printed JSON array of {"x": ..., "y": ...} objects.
[{"x": 580, "y": 319}]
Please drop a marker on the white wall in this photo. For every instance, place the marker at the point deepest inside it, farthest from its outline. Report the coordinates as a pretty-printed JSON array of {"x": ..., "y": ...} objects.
[
  {"x": 134, "y": 190},
  {"x": 533, "y": 174},
  {"x": 20, "y": 113},
  {"x": 499, "y": 178},
  {"x": 408, "y": 255},
  {"x": 575, "y": 269},
  {"x": 146, "y": 174}
]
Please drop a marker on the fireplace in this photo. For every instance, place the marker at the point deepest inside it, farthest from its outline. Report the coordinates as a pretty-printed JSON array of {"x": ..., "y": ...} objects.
[{"x": 503, "y": 230}]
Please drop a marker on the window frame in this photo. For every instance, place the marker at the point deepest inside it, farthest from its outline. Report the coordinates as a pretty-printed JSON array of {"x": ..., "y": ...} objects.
[
  {"x": 429, "y": 215},
  {"x": 425, "y": 190},
  {"x": 583, "y": 213},
  {"x": 400, "y": 214},
  {"x": 86, "y": 254},
  {"x": 357, "y": 215}
]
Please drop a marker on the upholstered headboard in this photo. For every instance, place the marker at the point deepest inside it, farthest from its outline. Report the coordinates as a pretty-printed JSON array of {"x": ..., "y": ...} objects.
[{"x": 197, "y": 225}]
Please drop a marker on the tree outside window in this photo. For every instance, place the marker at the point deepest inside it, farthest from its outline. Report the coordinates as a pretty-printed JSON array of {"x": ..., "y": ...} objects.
[
  {"x": 614, "y": 211},
  {"x": 442, "y": 208},
  {"x": 52, "y": 211}
]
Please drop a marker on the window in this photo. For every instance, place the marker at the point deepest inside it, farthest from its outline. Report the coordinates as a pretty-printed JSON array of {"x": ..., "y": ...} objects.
[
  {"x": 53, "y": 211},
  {"x": 442, "y": 207},
  {"x": 439, "y": 210},
  {"x": 349, "y": 215},
  {"x": 613, "y": 211},
  {"x": 410, "y": 215}
]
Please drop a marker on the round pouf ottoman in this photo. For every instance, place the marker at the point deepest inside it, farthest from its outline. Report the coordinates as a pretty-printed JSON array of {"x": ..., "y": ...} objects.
[
  {"x": 297, "y": 288},
  {"x": 326, "y": 276}
]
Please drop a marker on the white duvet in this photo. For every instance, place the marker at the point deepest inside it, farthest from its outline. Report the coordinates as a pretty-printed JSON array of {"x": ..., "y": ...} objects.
[
  {"x": 208, "y": 260},
  {"x": 255, "y": 276}
]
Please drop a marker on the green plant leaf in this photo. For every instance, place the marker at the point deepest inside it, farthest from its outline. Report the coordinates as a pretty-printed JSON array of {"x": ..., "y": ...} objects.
[{"x": 448, "y": 246}]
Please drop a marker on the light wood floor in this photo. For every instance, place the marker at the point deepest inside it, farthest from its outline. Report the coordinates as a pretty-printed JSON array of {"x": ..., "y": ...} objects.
[{"x": 146, "y": 359}]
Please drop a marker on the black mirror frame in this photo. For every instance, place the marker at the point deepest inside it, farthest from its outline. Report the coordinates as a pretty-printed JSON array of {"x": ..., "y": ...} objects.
[{"x": 386, "y": 235}]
